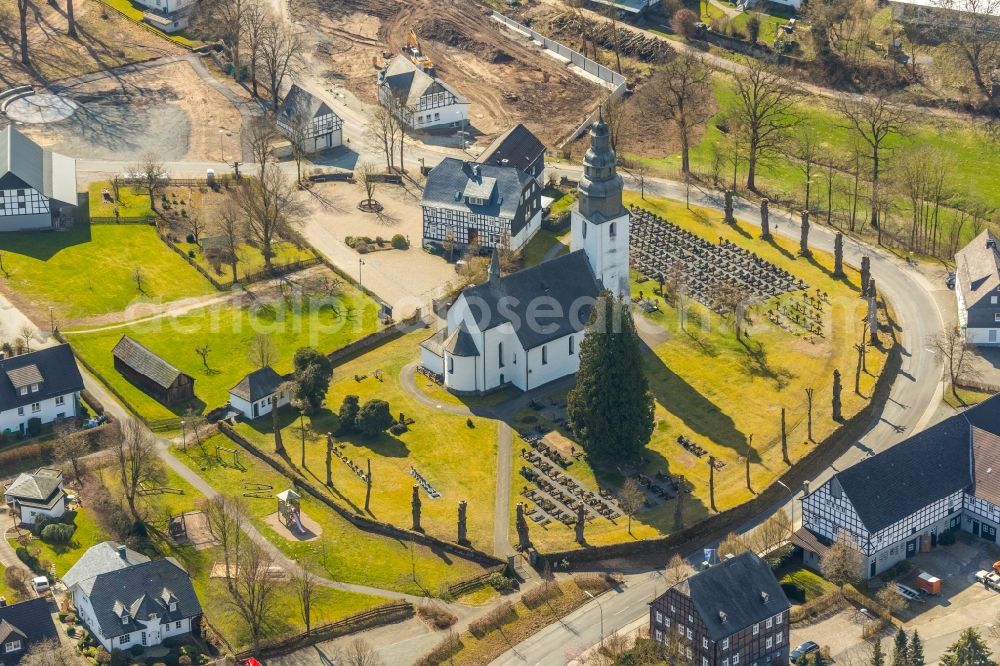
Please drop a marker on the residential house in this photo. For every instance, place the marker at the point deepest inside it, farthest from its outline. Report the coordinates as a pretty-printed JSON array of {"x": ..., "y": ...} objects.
[
  {"x": 306, "y": 118},
  {"x": 421, "y": 101},
  {"x": 525, "y": 329},
  {"x": 43, "y": 385},
  {"x": 258, "y": 393},
  {"x": 125, "y": 599},
  {"x": 37, "y": 186},
  {"x": 519, "y": 148},
  {"x": 977, "y": 289},
  {"x": 476, "y": 204},
  {"x": 731, "y": 614},
  {"x": 23, "y": 625},
  {"x": 897, "y": 503},
  {"x": 151, "y": 373},
  {"x": 983, "y": 17},
  {"x": 35, "y": 495},
  {"x": 169, "y": 16}
]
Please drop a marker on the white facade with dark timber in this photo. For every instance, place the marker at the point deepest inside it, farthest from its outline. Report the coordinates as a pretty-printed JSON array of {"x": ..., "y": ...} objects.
[
  {"x": 977, "y": 290},
  {"x": 421, "y": 101},
  {"x": 897, "y": 503},
  {"x": 308, "y": 120},
  {"x": 37, "y": 186},
  {"x": 525, "y": 329}
]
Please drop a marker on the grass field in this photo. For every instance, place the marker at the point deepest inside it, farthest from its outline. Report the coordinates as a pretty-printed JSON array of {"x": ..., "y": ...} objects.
[
  {"x": 64, "y": 556},
  {"x": 328, "y": 605},
  {"x": 813, "y": 584},
  {"x": 534, "y": 251},
  {"x": 973, "y": 160},
  {"x": 719, "y": 392},
  {"x": 89, "y": 270},
  {"x": 228, "y": 331},
  {"x": 132, "y": 201},
  {"x": 251, "y": 260},
  {"x": 459, "y": 461},
  {"x": 343, "y": 552}
]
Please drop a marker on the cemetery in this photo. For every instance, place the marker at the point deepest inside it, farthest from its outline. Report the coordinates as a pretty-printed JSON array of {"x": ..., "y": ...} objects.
[{"x": 707, "y": 421}]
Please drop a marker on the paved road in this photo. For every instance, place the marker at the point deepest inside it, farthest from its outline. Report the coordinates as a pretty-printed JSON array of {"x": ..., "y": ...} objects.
[{"x": 914, "y": 397}]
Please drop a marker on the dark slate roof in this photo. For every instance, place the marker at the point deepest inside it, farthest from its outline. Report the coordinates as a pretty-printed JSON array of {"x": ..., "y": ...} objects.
[
  {"x": 105, "y": 557},
  {"x": 145, "y": 362},
  {"x": 142, "y": 590},
  {"x": 986, "y": 465},
  {"x": 258, "y": 384},
  {"x": 409, "y": 83},
  {"x": 29, "y": 621},
  {"x": 978, "y": 268},
  {"x": 50, "y": 173},
  {"x": 460, "y": 343},
  {"x": 567, "y": 280},
  {"x": 450, "y": 181},
  {"x": 40, "y": 485},
  {"x": 907, "y": 477},
  {"x": 730, "y": 596},
  {"x": 517, "y": 147},
  {"x": 57, "y": 367},
  {"x": 299, "y": 102}
]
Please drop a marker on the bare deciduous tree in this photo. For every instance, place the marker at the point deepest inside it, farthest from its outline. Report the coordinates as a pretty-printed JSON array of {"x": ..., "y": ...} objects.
[
  {"x": 231, "y": 227},
  {"x": 874, "y": 119},
  {"x": 631, "y": 499},
  {"x": 297, "y": 128},
  {"x": 194, "y": 225},
  {"x": 225, "y": 517},
  {"x": 807, "y": 150},
  {"x": 951, "y": 345},
  {"x": 49, "y": 652},
  {"x": 259, "y": 136},
  {"x": 23, "y": 7},
  {"x": 262, "y": 351},
  {"x": 681, "y": 92},
  {"x": 678, "y": 569},
  {"x": 384, "y": 127},
  {"x": 27, "y": 334},
  {"x": 361, "y": 653},
  {"x": 280, "y": 55},
  {"x": 764, "y": 106},
  {"x": 366, "y": 173},
  {"x": 203, "y": 351},
  {"x": 305, "y": 588},
  {"x": 151, "y": 174},
  {"x": 270, "y": 208},
  {"x": 72, "y": 447},
  {"x": 841, "y": 564},
  {"x": 252, "y": 589},
  {"x": 135, "y": 457}
]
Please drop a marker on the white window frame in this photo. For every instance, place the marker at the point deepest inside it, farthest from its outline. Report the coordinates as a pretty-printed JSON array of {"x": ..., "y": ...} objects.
[
  {"x": 124, "y": 639},
  {"x": 704, "y": 642},
  {"x": 778, "y": 637},
  {"x": 778, "y": 618},
  {"x": 36, "y": 407},
  {"x": 23, "y": 390},
  {"x": 756, "y": 628},
  {"x": 12, "y": 646},
  {"x": 60, "y": 400},
  {"x": 769, "y": 643},
  {"x": 769, "y": 623},
  {"x": 659, "y": 635},
  {"x": 20, "y": 411},
  {"x": 725, "y": 644},
  {"x": 688, "y": 634},
  {"x": 736, "y": 659},
  {"x": 659, "y": 617}
]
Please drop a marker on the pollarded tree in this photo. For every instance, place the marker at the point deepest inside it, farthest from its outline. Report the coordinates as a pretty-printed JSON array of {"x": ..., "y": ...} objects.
[
  {"x": 764, "y": 107},
  {"x": 611, "y": 407},
  {"x": 968, "y": 650}
]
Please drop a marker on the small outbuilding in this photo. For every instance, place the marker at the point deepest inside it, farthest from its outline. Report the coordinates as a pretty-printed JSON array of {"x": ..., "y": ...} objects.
[
  {"x": 151, "y": 373},
  {"x": 258, "y": 393},
  {"x": 35, "y": 495}
]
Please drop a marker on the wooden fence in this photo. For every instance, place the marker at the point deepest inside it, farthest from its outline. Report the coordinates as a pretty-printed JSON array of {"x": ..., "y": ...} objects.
[
  {"x": 124, "y": 220},
  {"x": 474, "y": 583},
  {"x": 395, "y": 611}
]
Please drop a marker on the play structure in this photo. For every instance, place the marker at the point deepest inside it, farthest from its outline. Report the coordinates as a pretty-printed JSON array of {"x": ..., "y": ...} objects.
[
  {"x": 258, "y": 490},
  {"x": 289, "y": 511}
]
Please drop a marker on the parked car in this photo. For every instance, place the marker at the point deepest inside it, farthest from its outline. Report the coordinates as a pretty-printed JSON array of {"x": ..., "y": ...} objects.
[
  {"x": 950, "y": 280},
  {"x": 802, "y": 650},
  {"x": 40, "y": 583}
]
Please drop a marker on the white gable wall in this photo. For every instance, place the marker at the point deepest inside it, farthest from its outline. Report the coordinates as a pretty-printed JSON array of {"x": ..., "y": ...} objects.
[{"x": 16, "y": 420}]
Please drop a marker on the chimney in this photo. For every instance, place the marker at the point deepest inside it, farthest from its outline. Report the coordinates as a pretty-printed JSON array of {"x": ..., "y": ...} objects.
[
  {"x": 991, "y": 244},
  {"x": 121, "y": 553},
  {"x": 765, "y": 597},
  {"x": 3, "y": 602}
]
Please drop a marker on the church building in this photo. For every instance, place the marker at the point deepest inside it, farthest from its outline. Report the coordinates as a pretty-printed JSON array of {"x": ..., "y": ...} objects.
[{"x": 525, "y": 329}]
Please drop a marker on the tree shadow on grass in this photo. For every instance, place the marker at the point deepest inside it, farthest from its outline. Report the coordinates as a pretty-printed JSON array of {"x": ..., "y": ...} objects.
[
  {"x": 785, "y": 253},
  {"x": 756, "y": 364}
]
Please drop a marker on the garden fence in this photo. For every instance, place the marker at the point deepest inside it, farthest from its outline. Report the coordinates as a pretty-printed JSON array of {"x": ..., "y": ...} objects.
[
  {"x": 468, "y": 585},
  {"x": 123, "y": 220}
]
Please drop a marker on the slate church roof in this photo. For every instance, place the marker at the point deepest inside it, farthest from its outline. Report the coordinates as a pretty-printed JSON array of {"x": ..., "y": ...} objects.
[
  {"x": 567, "y": 281},
  {"x": 23, "y": 163},
  {"x": 734, "y": 594}
]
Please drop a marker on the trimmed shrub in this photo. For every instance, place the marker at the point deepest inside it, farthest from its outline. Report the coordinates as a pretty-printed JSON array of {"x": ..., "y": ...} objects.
[
  {"x": 58, "y": 533},
  {"x": 442, "y": 652},
  {"x": 436, "y": 615},
  {"x": 135, "y": 650},
  {"x": 399, "y": 242},
  {"x": 538, "y": 595},
  {"x": 501, "y": 583},
  {"x": 493, "y": 620},
  {"x": 594, "y": 582},
  {"x": 34, "y": 426},
  {"x": 374, "y": 417},
  {"x": 946, "y": 538}
]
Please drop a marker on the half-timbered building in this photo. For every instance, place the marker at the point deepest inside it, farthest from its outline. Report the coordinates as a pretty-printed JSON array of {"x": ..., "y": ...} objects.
[
  {"x": 897, "y": 503},
  {"x": 309, "y": 121},
  {"x": 731, "y": 614},
  {"x": 421, "y": 101}
]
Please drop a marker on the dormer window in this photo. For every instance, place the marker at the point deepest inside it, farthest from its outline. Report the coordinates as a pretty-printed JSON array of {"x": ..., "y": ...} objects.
[
  {"x": 34, "y": 388},
  {"x": 722, "y": 616},
  {"x": 125, "y": 618},
  {"x": 23, "y": 390},
  {"x": 173, "y": 606}
]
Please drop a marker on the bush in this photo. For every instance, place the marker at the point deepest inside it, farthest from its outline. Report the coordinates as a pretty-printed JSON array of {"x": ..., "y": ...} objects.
[
  {"x": 794, "y": 592},
  {"x": 190, "y": 238},
  {"x": 684, "y": 22},
  {"x": 399, "y": 242},
  {"x": 538, "y": 595},
  {"x": 436, "y": 615},
  {"x": 946, "y": 538},
  {"x": 348, "y": 413},
  {"x": 362, "y": 248},
  {"x": 469, "y": 423},
  {"x": 374, "y": 417},
  {"x": 501, "y": 583},
  {"x": 184, "y": 660},
  {"x": 594, "y": 582},
  {"x": 34, "y": 426},
  {"x": 58, "y": 533},
  {"x": 442, "y": 652},
  {"x": 496, "y": 618},
  {"x": 30, "y": 560},
  {"x": 135, "y": 650}
]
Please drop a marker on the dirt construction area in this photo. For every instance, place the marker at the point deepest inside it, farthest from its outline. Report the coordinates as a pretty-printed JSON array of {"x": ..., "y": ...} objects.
[
  {"x": 506, "y": 80},
  {"x": 168, "y": 110}
]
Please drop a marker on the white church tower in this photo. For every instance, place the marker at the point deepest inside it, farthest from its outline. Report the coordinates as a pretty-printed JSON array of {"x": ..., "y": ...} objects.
[{"x": 600, "y": 223}]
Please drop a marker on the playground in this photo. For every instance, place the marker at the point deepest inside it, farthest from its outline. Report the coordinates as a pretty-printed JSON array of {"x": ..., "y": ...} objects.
[
  {"x": 192, "y": 529},
  {"x": 290, "y": 522}
]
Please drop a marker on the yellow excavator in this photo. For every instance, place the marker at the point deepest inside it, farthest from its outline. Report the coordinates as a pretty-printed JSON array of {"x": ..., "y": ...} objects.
[{"x": 416, "y": 54}]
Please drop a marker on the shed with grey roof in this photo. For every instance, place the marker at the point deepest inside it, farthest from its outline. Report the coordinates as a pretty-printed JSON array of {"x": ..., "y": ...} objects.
[
  {"x": 151, "y": 373},
  {"x": 37, "y": 185}
]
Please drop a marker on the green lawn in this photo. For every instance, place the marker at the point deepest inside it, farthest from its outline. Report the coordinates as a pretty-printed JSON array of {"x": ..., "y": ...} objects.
[
  {"x": 6, "y": 592},
  {"x": 440, "y": 446},
  {"x": 966, "y": 397},
  {"x": 719, "y": 392},
  {"x": 813, "y": 584},
  {"x": 251, "y": 260},
  {"x": 343, "y": 552},
  {"x": 135, "y": 12},
  {"x": 132, "y": 201},
  {"x": 89, "y": 270},
  {"x": 228, "y": 331},
  {"x": 88, "y": 533},
  {"x": 974, "y": 163},
  {"x": 534, "y": 252}
]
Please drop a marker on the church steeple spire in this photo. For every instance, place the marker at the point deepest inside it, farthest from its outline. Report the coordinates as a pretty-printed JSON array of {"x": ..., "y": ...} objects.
[{"x": 600, "y": 190}]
